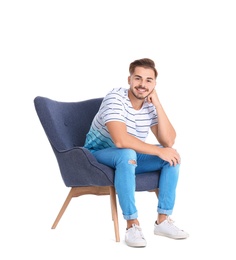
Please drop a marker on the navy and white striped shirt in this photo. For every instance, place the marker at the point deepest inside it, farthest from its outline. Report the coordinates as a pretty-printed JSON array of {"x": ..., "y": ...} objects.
[{"x": 116, "y": 106}]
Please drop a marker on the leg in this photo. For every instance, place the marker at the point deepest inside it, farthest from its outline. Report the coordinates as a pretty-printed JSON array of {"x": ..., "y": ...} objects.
[
  {"x": 167, "y": 183},
  {"x": 166, "y": 197},
  {"x": 124, "y": 163}
]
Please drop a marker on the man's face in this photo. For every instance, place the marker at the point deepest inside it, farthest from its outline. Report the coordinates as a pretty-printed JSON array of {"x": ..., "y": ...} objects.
[{"x": 142, "y": 82}]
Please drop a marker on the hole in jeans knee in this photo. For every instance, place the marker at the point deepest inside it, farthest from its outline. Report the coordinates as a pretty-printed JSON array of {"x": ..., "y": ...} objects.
[{"x": 132, "y": 162}]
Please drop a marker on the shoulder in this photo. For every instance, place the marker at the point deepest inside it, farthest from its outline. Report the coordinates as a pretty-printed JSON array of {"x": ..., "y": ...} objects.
[
  {"x": 117, "y": 95},
  {"x": 118, "y": 92}
]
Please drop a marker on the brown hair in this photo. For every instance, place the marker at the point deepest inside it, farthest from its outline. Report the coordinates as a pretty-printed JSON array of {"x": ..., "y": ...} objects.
[{"x": 145, "y": 63}]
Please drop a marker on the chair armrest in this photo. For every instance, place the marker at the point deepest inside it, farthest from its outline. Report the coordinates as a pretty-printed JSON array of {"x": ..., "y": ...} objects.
[{"x": 79, "y": 167}]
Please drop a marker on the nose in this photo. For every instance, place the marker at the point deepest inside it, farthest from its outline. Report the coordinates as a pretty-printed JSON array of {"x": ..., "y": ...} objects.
[{"x": 142, "y": 83}]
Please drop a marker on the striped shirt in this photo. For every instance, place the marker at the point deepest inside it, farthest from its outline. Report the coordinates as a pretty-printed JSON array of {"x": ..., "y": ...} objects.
[{"x": 116, "y": 106}]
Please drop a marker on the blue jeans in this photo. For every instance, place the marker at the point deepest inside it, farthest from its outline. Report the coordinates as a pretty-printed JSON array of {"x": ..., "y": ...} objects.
[{"x": 127, "y": 163}]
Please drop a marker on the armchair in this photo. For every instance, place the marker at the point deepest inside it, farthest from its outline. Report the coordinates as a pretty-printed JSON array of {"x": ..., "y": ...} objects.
[{"x": 66, "y": 125}]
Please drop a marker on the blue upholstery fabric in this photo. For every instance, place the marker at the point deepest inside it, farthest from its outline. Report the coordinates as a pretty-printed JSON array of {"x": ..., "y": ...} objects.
[{"x": 66, "y": 125}]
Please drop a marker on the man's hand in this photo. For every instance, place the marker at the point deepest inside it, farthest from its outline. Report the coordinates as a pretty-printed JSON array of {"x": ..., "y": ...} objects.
[
  {"x": 170, "y": 155},
  {"x": 153, "y": 98}
]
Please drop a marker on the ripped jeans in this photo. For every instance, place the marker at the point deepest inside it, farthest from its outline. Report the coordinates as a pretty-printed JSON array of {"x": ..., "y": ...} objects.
[{"x": 127, "y": 163}]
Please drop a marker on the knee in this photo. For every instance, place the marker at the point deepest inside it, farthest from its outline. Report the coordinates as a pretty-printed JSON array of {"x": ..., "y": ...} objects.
[
  {"x": 128, "y": 155},
  {"x": 167, "y": 164}
]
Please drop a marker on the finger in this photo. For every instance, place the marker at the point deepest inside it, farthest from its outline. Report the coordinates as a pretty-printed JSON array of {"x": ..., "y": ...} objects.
[
  {"x": 171, "y": 162},
  {"x": 178, "y": 160},
  {"x": 175, "y": 161},
  {"x": 149, "y": 99}
]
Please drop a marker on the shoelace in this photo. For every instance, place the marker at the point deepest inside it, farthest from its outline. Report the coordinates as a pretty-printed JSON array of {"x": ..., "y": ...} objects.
[
  {"x": 137, "y": 231},
  {"x": 171, "y": 221}
]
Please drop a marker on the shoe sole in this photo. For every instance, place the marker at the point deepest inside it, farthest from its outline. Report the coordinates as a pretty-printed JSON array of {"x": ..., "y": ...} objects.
[
  {"x": 169, "y": 236},
  {"x": 135, "y": 245}
]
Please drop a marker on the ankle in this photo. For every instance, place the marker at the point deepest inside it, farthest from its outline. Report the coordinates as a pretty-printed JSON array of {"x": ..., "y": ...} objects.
[
  {"x": 131, "y": 222},
  {"x": 161, "y": 218}
]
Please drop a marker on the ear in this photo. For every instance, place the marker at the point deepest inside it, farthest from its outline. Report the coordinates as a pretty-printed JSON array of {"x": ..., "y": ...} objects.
[{"x": 129, "y": 80}]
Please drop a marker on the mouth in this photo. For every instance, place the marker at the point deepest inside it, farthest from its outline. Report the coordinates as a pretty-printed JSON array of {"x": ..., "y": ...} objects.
[{"x": 141, "y": 89}]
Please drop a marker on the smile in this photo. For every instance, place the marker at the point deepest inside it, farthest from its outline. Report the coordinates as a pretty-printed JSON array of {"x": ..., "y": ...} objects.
[{"x": 141, "y": 90}]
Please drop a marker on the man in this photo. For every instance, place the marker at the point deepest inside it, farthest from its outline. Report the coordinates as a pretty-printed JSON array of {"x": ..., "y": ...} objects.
[{"x": 117, "y": 139}]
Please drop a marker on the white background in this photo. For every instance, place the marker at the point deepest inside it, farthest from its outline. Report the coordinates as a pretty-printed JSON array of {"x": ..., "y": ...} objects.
[{"x": 74, "y": 50}]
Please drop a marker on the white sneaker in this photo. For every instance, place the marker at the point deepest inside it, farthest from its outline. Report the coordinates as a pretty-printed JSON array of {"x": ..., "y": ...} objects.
[
  {"x": 134, "y": 237},
  {"x": 168, "y": 229}
]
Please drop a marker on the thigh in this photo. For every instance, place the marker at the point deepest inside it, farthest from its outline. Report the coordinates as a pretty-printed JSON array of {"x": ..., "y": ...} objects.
[
  {"x": 113, "y": 156},
  {"x": 148, "y": 163}
]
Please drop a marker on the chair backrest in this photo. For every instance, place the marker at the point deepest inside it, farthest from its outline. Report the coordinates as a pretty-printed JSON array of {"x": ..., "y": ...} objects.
[{"x": 66, "y": 123}]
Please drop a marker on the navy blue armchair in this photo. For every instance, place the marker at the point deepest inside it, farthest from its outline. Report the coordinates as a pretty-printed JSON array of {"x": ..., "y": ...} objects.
[{"x": 66, "y": 125}]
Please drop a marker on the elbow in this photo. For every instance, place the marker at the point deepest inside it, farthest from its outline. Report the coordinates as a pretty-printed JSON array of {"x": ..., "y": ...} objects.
[
  {"x": 119, "y": 145},
  {"x": 169, "y": 140},
  {"x": 168, "y": 143}
]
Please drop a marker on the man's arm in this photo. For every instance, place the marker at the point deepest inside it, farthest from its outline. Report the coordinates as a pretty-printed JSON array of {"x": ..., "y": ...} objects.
[
  {"x": 122, "y": 139},
  {"x": 163, "y": 131}
]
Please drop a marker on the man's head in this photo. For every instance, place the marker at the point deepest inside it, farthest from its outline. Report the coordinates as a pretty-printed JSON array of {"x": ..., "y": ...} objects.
[
  {"x": 145, "y": 63},
  {"x": 142, "y": 79}
]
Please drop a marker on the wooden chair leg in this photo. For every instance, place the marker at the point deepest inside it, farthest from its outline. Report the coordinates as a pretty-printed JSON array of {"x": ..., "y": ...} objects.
[
  {"x": 63, "y": 208},
  {"x": 114, "y": 212},
  {"x": 78, "y": 191}
]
